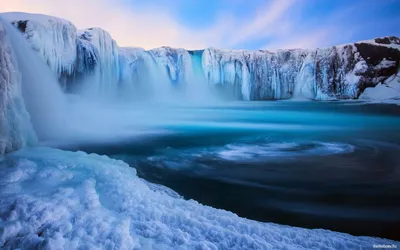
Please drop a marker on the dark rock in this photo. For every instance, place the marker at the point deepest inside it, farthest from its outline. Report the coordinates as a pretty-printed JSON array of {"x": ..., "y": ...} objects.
[
  {"x": 21, "y": 25},
  {"x": 388, "y": 40}
]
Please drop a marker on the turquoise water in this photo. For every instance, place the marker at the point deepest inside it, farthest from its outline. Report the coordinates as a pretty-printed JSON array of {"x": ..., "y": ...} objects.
[{"x": 333, "y": 165}]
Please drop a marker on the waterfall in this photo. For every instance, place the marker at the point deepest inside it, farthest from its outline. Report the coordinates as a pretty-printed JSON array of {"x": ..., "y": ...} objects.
[
  {"x": 197, "y": 88},
  {"x": 43, "y": 97}
]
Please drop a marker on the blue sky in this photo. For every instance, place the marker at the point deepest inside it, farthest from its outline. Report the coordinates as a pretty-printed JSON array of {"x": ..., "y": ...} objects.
[
  {"x": 314, "y": 22},
  {"x": 237, "y": 24}
]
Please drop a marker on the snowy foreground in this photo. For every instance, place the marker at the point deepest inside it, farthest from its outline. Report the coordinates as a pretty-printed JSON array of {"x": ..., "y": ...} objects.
[{"x": 56, "y": 199}]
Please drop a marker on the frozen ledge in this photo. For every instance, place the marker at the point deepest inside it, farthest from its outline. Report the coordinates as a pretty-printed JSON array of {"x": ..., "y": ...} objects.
[
  {"x": 386, "y": 92},
  {"x": 54, "y": 199}
]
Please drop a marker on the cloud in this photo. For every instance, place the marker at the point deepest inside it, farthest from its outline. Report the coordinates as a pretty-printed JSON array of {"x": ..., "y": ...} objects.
[
  {"x": 128, "y": 26},
  {"x": 342, "y": 24},
  {"x": 263, "y": 24},
  {"x": 155, "y": 27},
  {"x": 309, "y": 33}
]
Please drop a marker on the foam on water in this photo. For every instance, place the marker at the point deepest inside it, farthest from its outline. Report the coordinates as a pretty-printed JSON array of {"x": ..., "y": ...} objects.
[
  {"x": 282, "y": 151},
  {"x": 180, "y": 159}
]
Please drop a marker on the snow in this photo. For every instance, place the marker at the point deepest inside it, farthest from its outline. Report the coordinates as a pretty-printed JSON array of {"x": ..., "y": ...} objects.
[
  {"x": 385, "y": 64},
  {"x": 386, "y": 92},
  {"x": 227, "y": 67},
  {"x": 37, "y": 86},
  {"x": 288, "y": 73},
  {"x": 55, "y": 199},
  {"x": 135, "y": 65},
  {"x": 177, "y": 62},
  {"x": 105, "y": 78},
  {"x": 394, "y": 43},
  {"x": 53, "y": 38}
]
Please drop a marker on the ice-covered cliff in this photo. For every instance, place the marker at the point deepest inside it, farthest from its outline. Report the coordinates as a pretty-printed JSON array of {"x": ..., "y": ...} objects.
[
  {"x": 339, "y": 72},
  {"x": 91, "y": 60},
  {"x": 55, "y": 39},
  {"x": 15, "y": 127},
  {"x": 32, "y": 104}
]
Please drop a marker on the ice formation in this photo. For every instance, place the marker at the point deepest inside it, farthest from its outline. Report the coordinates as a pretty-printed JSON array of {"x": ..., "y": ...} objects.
[
  {"x": 177, "y": 63},
  {"x": 387, "y": 92},
  {"x": 338, "y": 72},
  {"x": 53, "y": 38},
  {"x": 104, "y": 80},
  {"x": 52, "y": 199},
  {"x": 15, "y": 127}
]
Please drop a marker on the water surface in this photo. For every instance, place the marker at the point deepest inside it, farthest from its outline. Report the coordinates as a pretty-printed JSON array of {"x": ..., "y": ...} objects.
[{"x": 333, "y": 165}]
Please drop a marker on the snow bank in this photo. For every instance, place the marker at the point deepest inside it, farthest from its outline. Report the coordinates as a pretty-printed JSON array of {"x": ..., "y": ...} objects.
[
  {"x": 55, "y": 199},
  {"x": 386, "y": 92}
]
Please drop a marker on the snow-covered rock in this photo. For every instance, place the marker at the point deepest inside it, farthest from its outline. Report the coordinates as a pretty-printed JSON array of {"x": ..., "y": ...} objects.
[
  {"x": 72, "y": 54},
  {"x": 53, "y": 199},
  {"x": 339, "y": 72},
  {"x": 55, "y": 39},
  {"x": 136, "y": 66},
  {"x": 259, "y": 75},
  {"x": 387, "y": 92},
  {"x": 15, "y": 127},
  {"x": 105, "y": 77},
  {"x": 177, "y": 63}
]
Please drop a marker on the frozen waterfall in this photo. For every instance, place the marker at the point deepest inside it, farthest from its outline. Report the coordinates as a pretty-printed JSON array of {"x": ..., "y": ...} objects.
[
  {"x": 44, "y": 99},
  {"x": 90, "y": 62}
]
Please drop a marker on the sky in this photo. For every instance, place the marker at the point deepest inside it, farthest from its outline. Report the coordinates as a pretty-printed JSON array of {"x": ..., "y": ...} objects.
[{"x": 234, "y": 24}]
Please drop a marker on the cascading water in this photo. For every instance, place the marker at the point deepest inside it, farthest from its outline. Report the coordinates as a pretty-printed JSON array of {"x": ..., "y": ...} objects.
[
  {"x": 60, "y": 118},
  {"x": 43, "y": 96},
  {"x": 16, "y": 130},
  {"x": 197, "y": 87}
]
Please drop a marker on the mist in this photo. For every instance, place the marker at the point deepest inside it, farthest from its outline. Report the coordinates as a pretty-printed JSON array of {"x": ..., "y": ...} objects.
[{"x": 98, "y": 111}]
